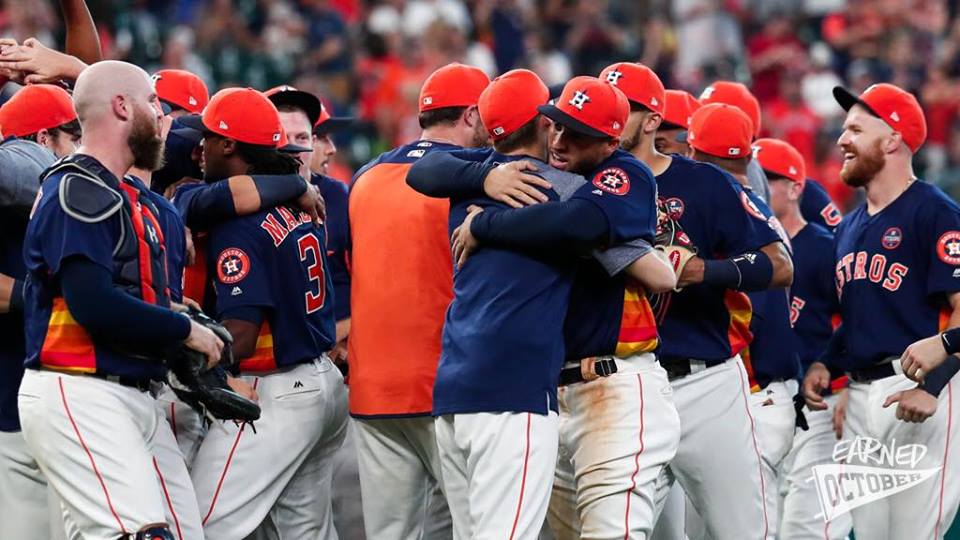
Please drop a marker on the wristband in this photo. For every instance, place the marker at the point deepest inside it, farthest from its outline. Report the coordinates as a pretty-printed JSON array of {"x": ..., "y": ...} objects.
[
  {"x": 275, "y": 189},
  {"x": 16, "y": 296},
  {"x": 935, "y": 381},
  {"x": 751, "y": 271},
  {"x": 951, "y": 340}
]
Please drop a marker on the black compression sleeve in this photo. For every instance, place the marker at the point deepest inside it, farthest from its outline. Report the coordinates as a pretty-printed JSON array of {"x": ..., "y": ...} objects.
[
  {"x": 575, "y": 226},
  {"x": 443, "y": 175},
  {"x": 16, "y": 296},
  {"x": 105, "y": 311},
  {"x": 935, "y": 381}
]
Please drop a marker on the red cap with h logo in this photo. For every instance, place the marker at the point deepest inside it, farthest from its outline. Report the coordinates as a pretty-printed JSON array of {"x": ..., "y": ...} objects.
[{"x": 591, "y": 107}]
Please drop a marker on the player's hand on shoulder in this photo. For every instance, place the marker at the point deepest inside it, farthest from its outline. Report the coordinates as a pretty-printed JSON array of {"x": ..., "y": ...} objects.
[
  {"x": 312, "y": 203},
  {"x": 815, "y": 382},
  {"x": 840, "y": 413},
  {"x": 914, "y": 405},
  {"x": 462, "y": 241},
  {"x": 922, "y": 357},
  {"x": 510, "y": 184},
  {"x": 203, "y": 340}
]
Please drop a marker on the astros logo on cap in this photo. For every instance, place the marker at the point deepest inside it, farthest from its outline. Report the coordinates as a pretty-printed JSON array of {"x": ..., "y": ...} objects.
[
  {"x": 614, "y": 77},
  {"x": 579, "y": 99}
]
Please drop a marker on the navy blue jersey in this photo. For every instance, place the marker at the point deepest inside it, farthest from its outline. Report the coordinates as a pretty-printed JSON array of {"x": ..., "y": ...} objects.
[
  {"x": 893, "y": 270},
  {"x": 817, "y": 207},
  {"x": 503, "y": 332},
  {"x": 335, "y": 194},
  {"x": 772, "y": 354},
  {"x": 813, "y": 295},
  {"x": 611, "y": 315},
  {"x": 275, "y": 263},
  {"x": 129, "y": 238},
  {"x": 702, "y": 321}
]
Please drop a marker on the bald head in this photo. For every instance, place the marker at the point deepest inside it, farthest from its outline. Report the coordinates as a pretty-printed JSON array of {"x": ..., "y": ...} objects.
[{"x": 104, "y": 89}]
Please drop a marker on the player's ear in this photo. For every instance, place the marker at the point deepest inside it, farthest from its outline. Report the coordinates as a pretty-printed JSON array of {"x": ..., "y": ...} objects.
[
  {"x": 892, "y": 142},
  {"x": 652, "y": 122},
  {"x": 120, "y": 106},
  {"x": 229, "y": 146}
]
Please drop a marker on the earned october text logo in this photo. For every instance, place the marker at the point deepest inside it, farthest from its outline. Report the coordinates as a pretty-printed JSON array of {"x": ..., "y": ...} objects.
[{"x": 866, "y": 470}]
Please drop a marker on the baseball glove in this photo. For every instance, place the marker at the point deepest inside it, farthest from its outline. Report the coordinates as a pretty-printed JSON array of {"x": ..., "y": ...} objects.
[
  {"x": 206, "y": 390},
  {"x": 673, "y": 241}
]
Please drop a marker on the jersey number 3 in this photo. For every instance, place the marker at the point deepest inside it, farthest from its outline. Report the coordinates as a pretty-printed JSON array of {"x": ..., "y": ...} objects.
[{"x": 313, "y": 300}]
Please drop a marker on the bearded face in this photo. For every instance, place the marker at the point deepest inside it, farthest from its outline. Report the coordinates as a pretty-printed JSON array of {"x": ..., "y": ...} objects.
[
  {"x": 145, "y": 141},
  {"x": 860, "y": 165}
]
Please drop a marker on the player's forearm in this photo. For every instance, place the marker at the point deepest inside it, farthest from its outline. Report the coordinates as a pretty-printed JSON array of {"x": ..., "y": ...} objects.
[
  {"x": 82, "y": 40},
  {"x": 445, "y": 175},
  {"x": 106, "y": 312},
  {"x": 11, "y": 294},
  {"x": 654, "y": 272},
  {"x": 204, "y": 207},
  {"x": 935, "y": 381},
  {"x": 573, "y": 226},
  {"x": 768, "y": 268},
  {"x": 343, "y": 329}
]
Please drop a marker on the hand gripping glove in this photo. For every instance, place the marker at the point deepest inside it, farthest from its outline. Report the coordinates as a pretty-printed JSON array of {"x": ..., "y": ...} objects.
[{"x": 206, "y": 390}]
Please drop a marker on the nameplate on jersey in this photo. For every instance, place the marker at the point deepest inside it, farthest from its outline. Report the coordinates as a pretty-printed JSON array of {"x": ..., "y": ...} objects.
[{"x": 277, "y": 229}]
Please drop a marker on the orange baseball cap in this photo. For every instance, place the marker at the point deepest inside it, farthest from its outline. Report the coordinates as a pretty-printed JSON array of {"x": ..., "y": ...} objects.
[
  {"x": 781, "y": 159},
  {"x": 895, "y": 106},
  {"x": 35, "y": 107},
  {"x": 678, "y": 109},
  {"x": 510, "y": 101},
  {"x": 453, "y": 85},
  {"x": 721, "y": 130},
  {"x": 640, "y": 84},
  {"x": 242, "y": 114},
  {"x": 590, "y": 106},
  {"x": 305, "y": 101},
  {"x": 736, "y": 94},
  {"x": 181, "y": 88}
]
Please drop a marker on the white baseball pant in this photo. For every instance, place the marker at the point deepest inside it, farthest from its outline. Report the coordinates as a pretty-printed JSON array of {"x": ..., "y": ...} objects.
[
  {"x": 400, "y": 479},
  {"x": 283, "y": 469},
  {"x": 109, "y": 455},
  {"x": 925, "y": 510},
  {"x": 719, "y": 462},
  {"x": 617, "y": 434},
  {"x": 29, "y": 509},
  {"x": 776, "y": 423},
  {"x": 497, "y": 472},
  {"x": 800, "y": 508},
  {"x": 185, "y": 422}
]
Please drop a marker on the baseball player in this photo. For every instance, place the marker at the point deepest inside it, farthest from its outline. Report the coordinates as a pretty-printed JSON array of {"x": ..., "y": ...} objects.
[
  {"x": 273, "y": 293},
  {"x": 85, "y": 396},
  {"x": 42, "y": 113},
  {"x": 771, "y": 359},
  {"x": 598, "y": 478},
  {"x": 677, "y": 110},
  {"x": 23, "y": 488},
  {"x": 897, "y": 259},
  {"x": 705, "y": 327},
  {"x": 813, "y": 306},
  {"x": 181, "y": 93},
  {"x": 737, "y": 95},
  {"x": 401, "y": 287}
]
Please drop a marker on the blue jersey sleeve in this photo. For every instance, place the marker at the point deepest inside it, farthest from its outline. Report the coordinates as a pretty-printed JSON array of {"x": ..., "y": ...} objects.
[
  {"x": 741, "y": 224},
  {"x": 627, "y": 194},
  {"x": 942, "y": 224},
  {"x": 65, "y": 236},
  {"x": 451, "y": 174},
  {"x": 241, "y": 277}
]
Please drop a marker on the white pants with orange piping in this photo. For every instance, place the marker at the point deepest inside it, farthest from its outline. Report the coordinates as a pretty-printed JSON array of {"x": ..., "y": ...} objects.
[
  {"x": 497, "y": 471},
  {"x": 617, "y": 434},
  {"x": 109, "y": 454}
]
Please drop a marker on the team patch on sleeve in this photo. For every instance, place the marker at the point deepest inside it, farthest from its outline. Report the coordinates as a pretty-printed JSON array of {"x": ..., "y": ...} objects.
[
  {"x": 948, "y": 247},
  {"x": 751, "y": 207},
  {"x": 613, "y": 180},
  {"x": 232, "y": 265}
]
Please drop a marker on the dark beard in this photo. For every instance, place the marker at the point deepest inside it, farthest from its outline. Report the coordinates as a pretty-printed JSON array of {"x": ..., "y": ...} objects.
[
  {"x": 868, "y": 164},
  {"x": 145, "y": 143},
  {"x": 628, "y": 144}
]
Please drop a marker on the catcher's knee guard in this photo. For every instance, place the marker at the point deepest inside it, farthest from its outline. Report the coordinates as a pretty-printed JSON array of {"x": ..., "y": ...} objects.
[{"x": 154, "y": 533}]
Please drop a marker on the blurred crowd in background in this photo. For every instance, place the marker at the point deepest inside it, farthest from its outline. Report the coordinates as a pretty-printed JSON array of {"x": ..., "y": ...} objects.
[{"x": 368, "y": 58}]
